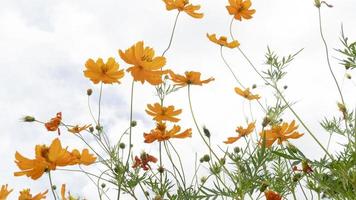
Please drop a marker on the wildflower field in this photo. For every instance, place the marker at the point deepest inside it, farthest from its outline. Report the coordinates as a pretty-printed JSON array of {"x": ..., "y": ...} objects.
[{"x": 178, "y": 99}]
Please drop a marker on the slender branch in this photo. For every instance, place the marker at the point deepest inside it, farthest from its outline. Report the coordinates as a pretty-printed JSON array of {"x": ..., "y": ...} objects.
[
  {"x": 172, "y": 34},
  {"x": 50, "y": 182}
]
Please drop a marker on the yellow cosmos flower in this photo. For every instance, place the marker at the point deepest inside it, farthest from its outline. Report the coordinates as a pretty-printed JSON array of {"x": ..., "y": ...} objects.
[
  {"x": 240, "y": 9},
  {"x": 183, "y": 6},
  {"x": 222, "y": 41},
  {"x": 189, "y": 78},
  {"x": 246, "y": 94},
  {"x": 99, "y": 71},
  {"x": 162, "y": 113},
  {"x": 78, "y": 129},
  {"x": 4, "y": 192},
  {"x": 242, "y": 132},
  {"x": 48, "y": 158},
  {"x": 84, "y": 158},
  {"x": 160, "y": 133},
  {"x": 26, "y": 195},
  {"x": 280, "y": 133},
  {"x": 145, "y": 67}
]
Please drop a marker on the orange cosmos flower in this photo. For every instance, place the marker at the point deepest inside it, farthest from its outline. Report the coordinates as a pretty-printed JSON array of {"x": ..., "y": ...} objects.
[
  {"x": 143, "y": 161},
  {"x": 63, "y": 195},
  {"x": 246, "y": 94},
  {"x": 26, "y": 195},
  {"x": 240, "y": 9},
  {"x": 78, "y": 129},
  {"x": 242, "y": 133},
  {"x": 190, "y": 78},
  {"x": 84, "y": 158},
  {"x": 162, "y": 113},
  {"x": 145, "y": 67},
  {"x": 106, "y": 73},
  {"x": 222, "y": 41},
  {"x": 160, "y": 133},
  {"x": 4, "y": 192},
  {"x": 183, "y": 5},
  {"x": 281, "y": 133},
  {"x": 270, "y": 195},
  {"x": 54, "y": 123}
]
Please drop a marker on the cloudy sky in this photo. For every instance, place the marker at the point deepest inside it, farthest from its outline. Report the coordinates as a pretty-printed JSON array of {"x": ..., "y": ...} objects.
[{"x": 44, "y": 45}]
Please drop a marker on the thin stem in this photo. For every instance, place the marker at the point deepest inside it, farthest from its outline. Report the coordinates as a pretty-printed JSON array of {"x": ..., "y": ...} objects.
[
  {"x": 228, "y": 66},
  {"x": 91, "y": 112},
  {"x": 172, "y": 34},
  {"x": 99, "y": 112},
  {"x": 50, "y": 182},
  {"x": 328, "y": 59}
]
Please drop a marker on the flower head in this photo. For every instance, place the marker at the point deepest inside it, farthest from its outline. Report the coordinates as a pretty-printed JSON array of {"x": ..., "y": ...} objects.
[
  {"x": 106, "y": 73},
  {"x": 84, "y": 158},
  {"x": 242, "y": 132},
  {"x": 222, "y": 41},
  {"x": 4, "y": 192},
  {"x": 143, "y": 161},
  {"x": 54, "y": 123},
  {"x": 270, "y": 195},
  {"x": 240, "y": 9},
  {"x": 189, "y": 78},
  {"x": 280, "y": 133},
  {"x": 183, "y": 6},
  {"x": 145, "y": 67},
  {"x": 160, "y": 133},
  {"x": 78, "y": 129},
  {"x": 246, "y": 94},
  {"x": 26, "y": 195},
  {"x": 162, "y": 113}
]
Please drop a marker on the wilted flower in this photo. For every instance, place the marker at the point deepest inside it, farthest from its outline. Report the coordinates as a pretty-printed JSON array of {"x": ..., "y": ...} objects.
[
  {"x": 54, "y": 123},
  {"x": 246, "y": 94}
]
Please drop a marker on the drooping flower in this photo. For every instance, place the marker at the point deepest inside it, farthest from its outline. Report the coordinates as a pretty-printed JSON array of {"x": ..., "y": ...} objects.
[
  {"x": 54, "y": 123},
  {"x": 189, "y": 78},
  {"x": 84, "y": 158},
  {"x": 183, "y": 6},
  {"x": 280, "y": 133},
  {"x": 107, "y": 73},
  {"x": 160, "y": 133},
  {"x": 240, "y": 9},
  {"x": 4, "y": 192},
  {"x": 222, "y": 41},
  {"x": 247, "y": 94},
  {"x": 271, "y": 195},
  {"x": 162, "y": 113},
  {"x": 63, "y": 194},
  {"x": 78, "y": 129},
  {"x": 145, "y": 67},
  {"x": 26, "y": 195},
  {"x": 143, "y": 161},
  {"x": 242, "y": 132}
]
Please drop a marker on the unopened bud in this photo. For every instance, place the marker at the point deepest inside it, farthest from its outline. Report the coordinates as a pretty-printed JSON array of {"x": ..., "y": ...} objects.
[
  {"x": 122, "y": 145},
  {"x": 28, "y": 119},
  {"x": 103, "y": 185},
  {"x": 285, "y": 87},
  {"x": 133, "y": 123},
  {"x": 89, "y": 92},
  {"x": 206, "y": 158},
  {"x": 254, "y": 86},
  {"x": 266, "y": 121},
  {"x": 348, "y": 76},
  {"x": 160, "y": 169},
  {"x": 206, "y": 132}
]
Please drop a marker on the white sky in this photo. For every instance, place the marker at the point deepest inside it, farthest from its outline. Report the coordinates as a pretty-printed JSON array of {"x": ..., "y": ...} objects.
[{"x": 44, "y": 45}]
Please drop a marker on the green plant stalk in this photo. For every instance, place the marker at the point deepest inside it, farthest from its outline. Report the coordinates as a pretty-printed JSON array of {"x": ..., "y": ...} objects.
[{"x": 50, "y": 182}]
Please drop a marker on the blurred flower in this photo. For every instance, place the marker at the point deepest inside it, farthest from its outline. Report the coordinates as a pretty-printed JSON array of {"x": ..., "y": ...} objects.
[
  {"x": 160, "y": 133},
  {"x": 84, "y": 158},
  {"x": 190, "y": 78},
  {"x": 26, "y": 195},
  {"x": 242, "y": 133},
  {"x": 4, "y": 192},
  {"x": 162, "y": 113},
  {"x": 240, "y": 9},
  {"x": 106, "y": 73},
  {"x": 143, "y": 161},
  {"x": 183, "y": 5},
  {"x": 54, "y": 123},
  {"x": 145, "y": 67},
  {"x": 270, "y": 195},
  {"x": 246, "y": 94},
  {"x": 280, "y": 133},
  {"x": 63, "y": 195},
  {"x": 222, "y": 41},
  {"x": 78, "y": 129}
]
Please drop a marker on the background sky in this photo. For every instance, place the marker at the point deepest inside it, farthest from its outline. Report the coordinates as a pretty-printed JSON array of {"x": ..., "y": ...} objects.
[{"x": 44, "y": 45}]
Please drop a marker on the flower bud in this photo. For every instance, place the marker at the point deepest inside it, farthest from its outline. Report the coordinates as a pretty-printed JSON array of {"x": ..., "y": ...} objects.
[
  {"x": 206, "y": 158},
  {"x": 206, "y": 132},
  {"x": 28, "y": 119},
  {"x": 103, "y": 185},
  {"x": 133, "y": 123},
  {"x": 254, "y": 86},
  {"x": 317, "y": 3},
  {"x": 122, "y": 145},
  {"x": 263, "y": 187},
  {"x": 89, "y": 92},
  {"x": 266, "y": 121},
  {"x": 160, "y": 169}
]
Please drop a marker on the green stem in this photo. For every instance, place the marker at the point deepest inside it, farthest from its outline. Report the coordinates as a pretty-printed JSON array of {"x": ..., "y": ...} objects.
[
  {"x": 172, "y": 34},
  {"x": 50, "y": 182}
]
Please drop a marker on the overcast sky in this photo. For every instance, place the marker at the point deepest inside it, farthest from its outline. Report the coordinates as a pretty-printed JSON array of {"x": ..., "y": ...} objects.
[{"x": 44, "y": 45}]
